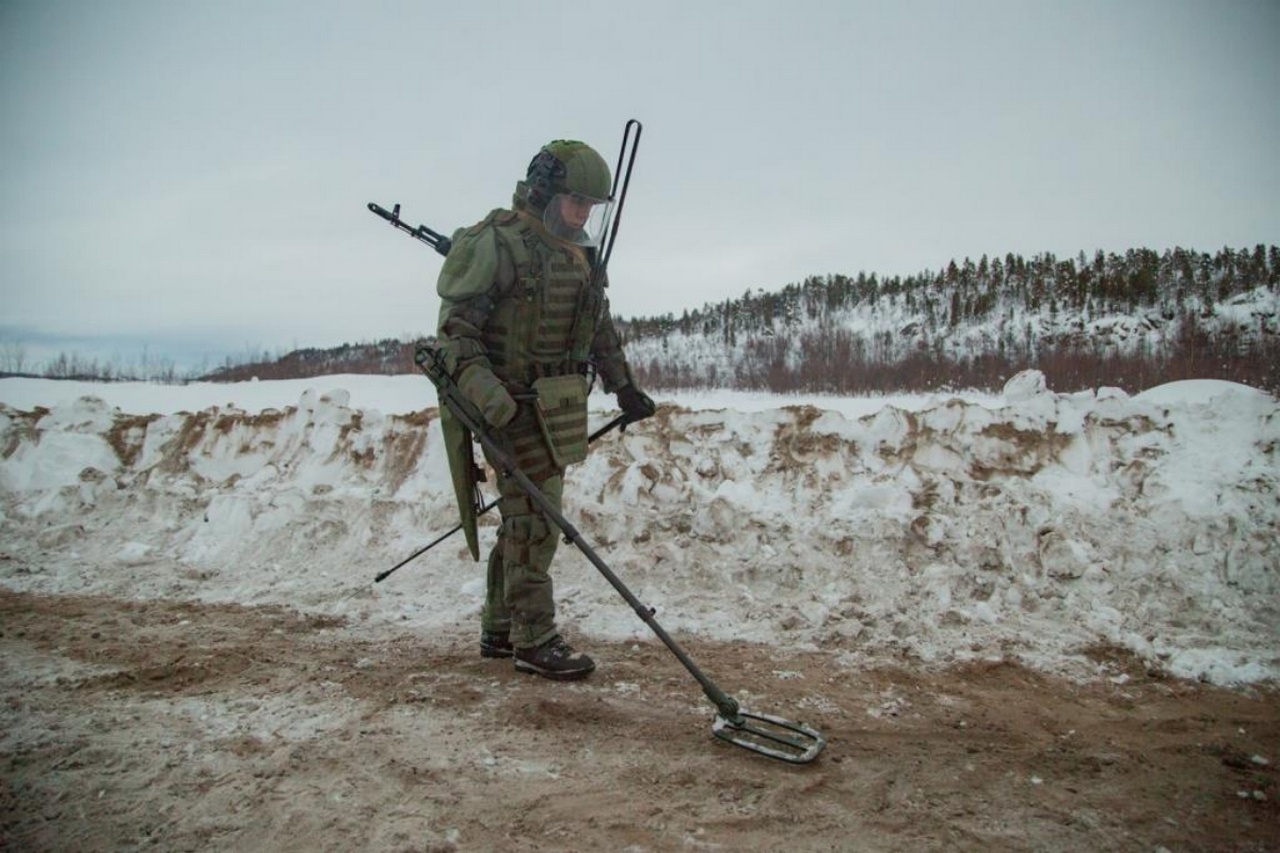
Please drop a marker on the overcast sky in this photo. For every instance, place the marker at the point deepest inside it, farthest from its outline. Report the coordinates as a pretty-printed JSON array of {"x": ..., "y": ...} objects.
[{"x": 192, "y": 177}]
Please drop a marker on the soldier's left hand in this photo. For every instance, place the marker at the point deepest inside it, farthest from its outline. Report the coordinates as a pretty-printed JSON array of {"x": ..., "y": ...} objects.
[{"x": 635, "y": 404}]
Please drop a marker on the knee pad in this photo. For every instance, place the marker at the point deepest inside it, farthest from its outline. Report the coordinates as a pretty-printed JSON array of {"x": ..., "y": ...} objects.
[{"x": 522, "y": 535}]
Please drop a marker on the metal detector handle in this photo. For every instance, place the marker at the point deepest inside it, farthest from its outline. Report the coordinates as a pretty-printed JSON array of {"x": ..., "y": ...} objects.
[{"x": 434, "y": 239}]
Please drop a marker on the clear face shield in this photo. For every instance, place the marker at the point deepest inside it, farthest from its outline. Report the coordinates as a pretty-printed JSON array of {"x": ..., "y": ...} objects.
[{"x": 577, "y": 218}]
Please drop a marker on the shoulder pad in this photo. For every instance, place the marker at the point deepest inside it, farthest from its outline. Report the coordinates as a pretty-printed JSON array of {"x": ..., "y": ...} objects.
[{"x": 472, "y": 263}]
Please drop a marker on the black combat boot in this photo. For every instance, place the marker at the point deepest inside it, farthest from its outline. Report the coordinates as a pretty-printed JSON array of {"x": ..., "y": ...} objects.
[
  {"x": 495, "y": 645},
  {"x": 554, "y": 659}
]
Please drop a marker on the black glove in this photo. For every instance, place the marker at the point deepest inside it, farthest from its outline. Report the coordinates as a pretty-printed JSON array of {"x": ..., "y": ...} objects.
[{"x": 635, "y": 404}]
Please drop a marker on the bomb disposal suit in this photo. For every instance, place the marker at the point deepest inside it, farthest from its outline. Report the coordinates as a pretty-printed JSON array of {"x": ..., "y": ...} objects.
[{"x": 522, "y": 322}]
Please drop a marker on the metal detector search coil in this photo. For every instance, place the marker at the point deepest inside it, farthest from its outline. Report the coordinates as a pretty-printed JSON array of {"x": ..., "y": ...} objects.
[{"x": 772, "y": 736}]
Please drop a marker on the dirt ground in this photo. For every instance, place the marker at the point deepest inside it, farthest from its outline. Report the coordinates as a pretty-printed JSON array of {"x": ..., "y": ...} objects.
[{"x": 184, "y": 726}]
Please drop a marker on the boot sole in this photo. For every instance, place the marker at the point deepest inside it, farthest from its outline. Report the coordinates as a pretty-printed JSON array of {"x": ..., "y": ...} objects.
[{"x": 553, "y": 674}]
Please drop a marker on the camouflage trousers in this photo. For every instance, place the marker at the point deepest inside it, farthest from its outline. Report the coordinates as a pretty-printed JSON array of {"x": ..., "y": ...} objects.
[{"x": 518, "y": 598}]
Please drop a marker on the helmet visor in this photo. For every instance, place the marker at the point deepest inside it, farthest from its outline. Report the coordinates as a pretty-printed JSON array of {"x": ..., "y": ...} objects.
[{"x": 577, "y": 218}]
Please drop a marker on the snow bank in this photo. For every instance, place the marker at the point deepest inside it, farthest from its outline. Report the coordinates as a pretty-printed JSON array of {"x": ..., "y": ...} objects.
[{"x": 1035, "y": 526}]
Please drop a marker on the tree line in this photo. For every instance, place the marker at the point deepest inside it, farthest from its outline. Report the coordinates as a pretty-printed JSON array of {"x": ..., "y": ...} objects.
[
  {"x": 14, "y": 361},
  {"x": 1130, "y": 320}
]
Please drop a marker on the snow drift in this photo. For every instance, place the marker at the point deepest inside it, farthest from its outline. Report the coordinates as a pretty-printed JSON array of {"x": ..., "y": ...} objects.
[{"x": 1039, "y": 526}]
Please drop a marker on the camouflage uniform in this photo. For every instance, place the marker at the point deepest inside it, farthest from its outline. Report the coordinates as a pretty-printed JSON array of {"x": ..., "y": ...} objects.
[{"x": 520, "y": 309}]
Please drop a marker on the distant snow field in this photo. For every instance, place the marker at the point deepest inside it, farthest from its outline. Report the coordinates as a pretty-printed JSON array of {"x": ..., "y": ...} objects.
[{"x": 1028, "y": 525}]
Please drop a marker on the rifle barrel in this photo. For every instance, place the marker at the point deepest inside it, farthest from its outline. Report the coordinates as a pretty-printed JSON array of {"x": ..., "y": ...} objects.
[{"x": 434, "y": 239}]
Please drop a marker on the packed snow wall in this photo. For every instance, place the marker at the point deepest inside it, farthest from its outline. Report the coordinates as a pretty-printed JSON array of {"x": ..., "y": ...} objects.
[{"x": 1042, "y": 529}]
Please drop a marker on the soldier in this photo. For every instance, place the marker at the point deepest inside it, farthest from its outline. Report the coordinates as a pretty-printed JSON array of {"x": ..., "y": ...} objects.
[{"x": 522, "y": 322}]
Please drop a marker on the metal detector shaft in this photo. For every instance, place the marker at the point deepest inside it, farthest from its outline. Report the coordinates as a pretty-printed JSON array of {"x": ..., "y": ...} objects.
[
  {"x": 619, "y": 421},
  {"x": 431, "y": 364}
]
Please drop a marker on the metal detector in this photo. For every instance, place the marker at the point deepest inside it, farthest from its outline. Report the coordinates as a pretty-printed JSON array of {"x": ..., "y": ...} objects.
[{"x": 772, "y": 736}]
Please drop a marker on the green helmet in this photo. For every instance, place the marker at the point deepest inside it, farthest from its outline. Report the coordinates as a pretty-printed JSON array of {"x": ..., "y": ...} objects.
[{"x": 566, "y": 166}]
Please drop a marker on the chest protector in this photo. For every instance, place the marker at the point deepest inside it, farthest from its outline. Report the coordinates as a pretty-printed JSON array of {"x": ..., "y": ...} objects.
[
  {"x": 543, "y": 322},
  {"x": 539, "y": 335}
]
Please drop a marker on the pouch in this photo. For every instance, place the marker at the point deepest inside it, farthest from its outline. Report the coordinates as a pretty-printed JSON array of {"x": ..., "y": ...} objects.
[{"x": 562, "y": 415}]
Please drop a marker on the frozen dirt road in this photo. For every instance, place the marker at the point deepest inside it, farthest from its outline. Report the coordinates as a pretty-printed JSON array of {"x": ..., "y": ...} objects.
[{"x": 176, "y": 725}]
